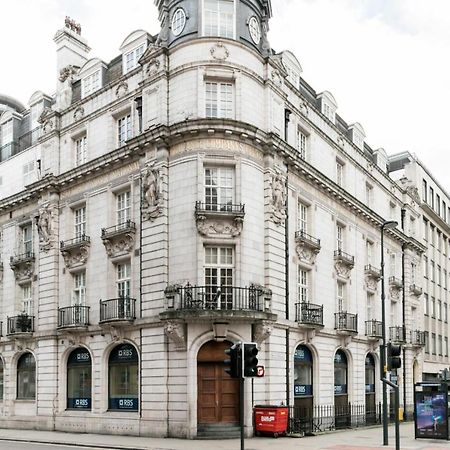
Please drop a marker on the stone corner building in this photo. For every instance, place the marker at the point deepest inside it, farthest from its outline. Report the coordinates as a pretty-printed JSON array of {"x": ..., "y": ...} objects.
[{"x": 192, "y": 192}]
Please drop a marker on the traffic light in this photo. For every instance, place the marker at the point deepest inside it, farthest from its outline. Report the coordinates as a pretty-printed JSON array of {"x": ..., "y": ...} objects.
[
  {"x": 235, "y": 361},
  {"x": 250, "y": 361},
  {"x": 393, "y": 356}
]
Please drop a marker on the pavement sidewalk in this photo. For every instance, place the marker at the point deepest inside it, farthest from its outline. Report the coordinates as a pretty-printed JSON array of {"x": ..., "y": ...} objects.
[{"x": 358, "y": 439}]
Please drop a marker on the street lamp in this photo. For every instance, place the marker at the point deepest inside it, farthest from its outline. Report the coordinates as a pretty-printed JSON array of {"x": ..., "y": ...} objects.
[{"x": 384, "y": 226}]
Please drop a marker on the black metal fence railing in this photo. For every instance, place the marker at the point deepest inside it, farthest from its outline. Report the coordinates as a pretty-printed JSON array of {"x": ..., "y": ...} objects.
[
  {"x": 418, "y": 338},
  {"x": 344, "y": 321},
  {"x": 397, "y": 334},
  {"x": 309, "y": 314},
  {"x": 374, "y": 328},
  {"x": 16, "y": 259},
  {"x": 82, "y": 239},
  {"x": 216, "y": 298},
  {"x": 19, "y": 145},
  {"x": 201, "y": 207},
  {"x": 114, "y": 309},
  {"x": 123, "y": 227},
  {"x": 345, "y": 257},
  {"x": 320, "y": 418},
  {"x": 305, "y": 237},
  {"x": 22, "y": 323},
  {"x": 73, "y": 316}
]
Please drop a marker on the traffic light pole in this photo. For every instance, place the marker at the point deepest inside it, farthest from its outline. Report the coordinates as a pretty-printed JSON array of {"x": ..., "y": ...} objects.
[{"x": 397, "y": 407}]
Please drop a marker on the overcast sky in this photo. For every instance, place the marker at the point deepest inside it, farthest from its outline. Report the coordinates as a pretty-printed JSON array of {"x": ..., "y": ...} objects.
[{"x": 385, "y": 61}]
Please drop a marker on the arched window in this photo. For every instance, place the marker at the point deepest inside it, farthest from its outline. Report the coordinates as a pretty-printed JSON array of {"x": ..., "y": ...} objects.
[
  {"x": 340, "y": 373},
  {"x": 123, "y": 378},
  {"x": 302, "y": 371},
  {"x": 218, "y": 18},
  {"x": 26, "y": 377},
  {"x": 370, "y": 374},
  {"x": 79, "y": 370}
]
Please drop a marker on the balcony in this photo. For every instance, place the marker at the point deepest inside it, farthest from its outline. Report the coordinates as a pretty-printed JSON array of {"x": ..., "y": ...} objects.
[
  {"x": 395, "y": 282},
  {"x": 415, "y": 290},
  {"x": 343, "y": 263},
  {"x": 372, "y": 276},
  {"x": 374, "y": 330},
  {"x": 346, "y": 323},
  {"x": 213, "y": 302},
  {"x": 309, "y": 315},
  {"x": 219, "y": 219},
  {"x": 76, "y": 316},
  {"x": 397, "y": 335},
  {"x": 75, "y": 251},
  {"x": 116, "y": 310},
  {"x": 418, "y": 338},
  {"x": 307, "y": 247},
  {"x": 119, "y": 239},
  {"x": 23, "y": 266},
  {"x": 20, "y": 326}
]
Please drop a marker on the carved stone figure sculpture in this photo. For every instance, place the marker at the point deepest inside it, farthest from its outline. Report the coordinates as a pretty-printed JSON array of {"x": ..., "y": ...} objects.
[
  {"x": 44, "y": 222},
  {"x": 278, "y": 198},
  {"x": 151, "y": 190}
]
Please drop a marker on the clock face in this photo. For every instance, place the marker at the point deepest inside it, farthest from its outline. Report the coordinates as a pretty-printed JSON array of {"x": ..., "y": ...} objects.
[
  {"x": 255, "y": 29},
  {"x": 178, "y": 21}
]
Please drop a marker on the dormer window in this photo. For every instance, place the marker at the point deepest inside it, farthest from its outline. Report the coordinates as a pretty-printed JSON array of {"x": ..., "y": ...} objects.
[
  {"x": 218, "y": 18},
  {"x": 328, "y": 112},
  {"x": 91, "y": 83},
  {"x": 328, "y": 105},
  {"x": 7, "y": 132},
  {"x": 130, "y": 59}
]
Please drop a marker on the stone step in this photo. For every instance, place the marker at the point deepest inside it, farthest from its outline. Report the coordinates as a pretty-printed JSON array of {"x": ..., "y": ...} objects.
[{"x": 218, "y": 431}]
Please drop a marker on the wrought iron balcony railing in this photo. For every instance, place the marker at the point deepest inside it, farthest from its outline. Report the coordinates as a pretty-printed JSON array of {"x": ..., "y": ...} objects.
[
  {"x": 117, "y": 309},
  {"x": 418, "y": 338},
  {"x": 344, "y": 321},
  {"x": 23, "y": 323},
  {"x": 397, "y": 334},
  {"x": 374, "y": 329},
  {"x": 187, "y": 297},
  {"x": 120, "y": 228},
  {"x": 416, "y": 290},
  {"x": 22, "y": 257},
  {"x": 372, "y": 271},
  {"x": 309, "y": 314},
  {"x": 75, "y": 242},
  {"x": 345, "y": 258},
  {"x": 22, "y": 143},
  {"x": 307, "y": 239},
  {"x": 73, "y": 316},
  {"x": 223, "y": 208},
  {"x": 395, "y": 282}
]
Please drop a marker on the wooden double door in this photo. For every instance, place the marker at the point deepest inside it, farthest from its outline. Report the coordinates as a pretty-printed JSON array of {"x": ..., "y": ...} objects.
[{"x": 218, "y": 393}]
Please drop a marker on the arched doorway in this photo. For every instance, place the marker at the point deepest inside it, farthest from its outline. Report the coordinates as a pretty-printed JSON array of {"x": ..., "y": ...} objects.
[
  {"x": 341, "y": 406},
  {"x": 79, "y": 379},
  {"x": 303, "y": 388},
  {"x": 217, "y": 393},
  {"x": 371, "y": 415}
]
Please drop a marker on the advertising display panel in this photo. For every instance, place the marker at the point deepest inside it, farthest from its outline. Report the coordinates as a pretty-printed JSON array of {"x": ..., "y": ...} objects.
[{"x": 431, "y": 418}]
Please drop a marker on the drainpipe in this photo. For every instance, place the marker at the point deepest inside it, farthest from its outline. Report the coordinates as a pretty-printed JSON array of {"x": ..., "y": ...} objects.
[
  {"x": 403, "y": 213},
  {"x": 286, "y": 262}
]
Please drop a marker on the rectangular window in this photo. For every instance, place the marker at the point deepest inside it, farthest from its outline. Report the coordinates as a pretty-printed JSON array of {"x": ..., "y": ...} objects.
[
  {"x": 80, "y": 151},
  {"x": 219, "y": 268},
  {"x": 426, "y": 305},
  {"x": 433, "y": 343},
  {"x": 444, "y": 276},
  {"x": 341, "y": 300},
  {"x": 446, "y": 345},
  {"x": 432, "y": 235},
  {"x": 439, "y": 275},
  {"x": 219, "y": 100},
  {"x": 445, "y": 312},
  {"x": 369, "y": 252},
  {"x": 123, "y": 282},
  {"x": 124, "y": 129},
  {"x": 219, "y": 188},
  {"x": 303, "y": 286},
  {"x": 29, "y": 174},
  {"x": 440, "y": 345},
  {"x": 7, "y": 132},
  {"x": 27, "y": 240},
  {"x": 431, "y": 197},
  {"x": 123, "y": 207},
  {"x": 438, "y": 204},
  {"x": 444, "y": 211},
  {"x": 425, "y": 229},
  {"x": 302, "y": 214},
  {"x": 339, "y": 173},
  {"x": 432, "y": 272},
  {"x": 433, "y": 307},
  {"x": 27, "y": 299},
  {"x": 90, "y": 84},
  {"x": 80, "y": 222},
  {"x": 393, "y": 211},
  {"x": 424, "y": 191},
  {"x": 439, "y": 310},
  {"x": 369, "y": 191},
  {"x": 130, "y": 59},
  {"x": 301, "y": 143},
  {"x": 79, "y": 289},
  {"x": 370, "y": 306},
  {"x": 439, "y": 240},
  {"x": 427, "y": 342},
  {"x": 425, "y": 267},
  {"x": 339, "y": 237},
  {"x": 219, "y": 18}
]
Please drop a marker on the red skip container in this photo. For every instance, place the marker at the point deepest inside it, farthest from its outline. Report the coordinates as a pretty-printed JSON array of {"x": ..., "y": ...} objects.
[{"x": 271, "y": 419}]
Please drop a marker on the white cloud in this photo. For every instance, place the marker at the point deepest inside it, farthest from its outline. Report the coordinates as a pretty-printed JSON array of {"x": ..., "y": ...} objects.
[{"x": 385, "y": 61}]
